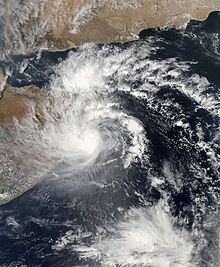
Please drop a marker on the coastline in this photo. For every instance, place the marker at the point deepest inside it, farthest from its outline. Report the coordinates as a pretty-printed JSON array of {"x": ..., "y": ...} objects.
[
  {"x": 16, "y": 94},
  {"x": 67, "y": 25}
]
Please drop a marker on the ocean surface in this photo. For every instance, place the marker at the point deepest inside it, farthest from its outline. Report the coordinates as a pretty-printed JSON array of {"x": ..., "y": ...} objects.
[{"x": 130, "y": 148}]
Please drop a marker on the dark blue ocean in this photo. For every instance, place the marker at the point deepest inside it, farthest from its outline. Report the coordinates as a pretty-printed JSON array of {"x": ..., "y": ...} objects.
[{"x": 150, "y": 197}]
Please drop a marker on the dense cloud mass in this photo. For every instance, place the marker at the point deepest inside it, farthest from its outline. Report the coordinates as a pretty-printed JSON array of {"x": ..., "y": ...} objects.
[{"x": 127, "y": 140}]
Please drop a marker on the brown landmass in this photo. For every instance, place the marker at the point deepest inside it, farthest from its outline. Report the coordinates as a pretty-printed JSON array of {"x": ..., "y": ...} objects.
[
  {"x": 52, "y": 22},
  {"x": 14, "y": 102},
  {"x": 59, "y": 27},
  {"x": 63, "y": 24},
  {"x": 123, "y": 25}
]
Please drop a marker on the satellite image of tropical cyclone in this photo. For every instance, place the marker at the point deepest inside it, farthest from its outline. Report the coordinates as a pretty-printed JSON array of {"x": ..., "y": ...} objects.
[{"x": 109, "y": 133}]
